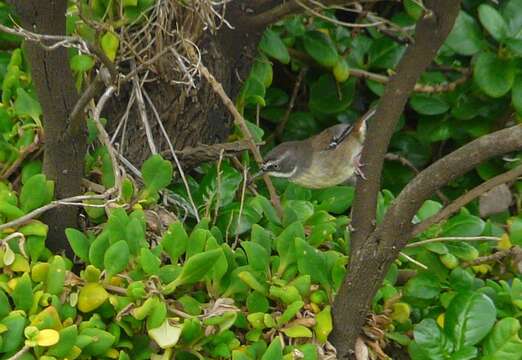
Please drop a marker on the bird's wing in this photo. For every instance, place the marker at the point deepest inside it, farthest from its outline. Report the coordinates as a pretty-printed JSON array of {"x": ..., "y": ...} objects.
[{"x": 339, "y": 134}]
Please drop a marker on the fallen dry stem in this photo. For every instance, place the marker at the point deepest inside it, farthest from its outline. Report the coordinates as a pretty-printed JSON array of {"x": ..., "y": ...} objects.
[{"x": 241, "y": 123}]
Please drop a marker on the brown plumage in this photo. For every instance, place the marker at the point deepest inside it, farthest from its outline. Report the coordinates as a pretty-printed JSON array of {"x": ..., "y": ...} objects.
[{"x": 323, "y": 160}]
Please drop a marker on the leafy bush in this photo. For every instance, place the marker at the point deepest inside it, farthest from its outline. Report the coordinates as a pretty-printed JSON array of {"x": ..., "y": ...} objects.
[{"x": 245, "y": 283}]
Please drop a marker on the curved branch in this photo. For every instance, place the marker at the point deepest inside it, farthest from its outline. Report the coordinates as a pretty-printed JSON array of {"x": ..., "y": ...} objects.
[
  {"x": 391, "y": 236},
  {"x": 356, "y": 293},
  {"x": 431, "y": 32},
  {"x": 461, "y": 201}
]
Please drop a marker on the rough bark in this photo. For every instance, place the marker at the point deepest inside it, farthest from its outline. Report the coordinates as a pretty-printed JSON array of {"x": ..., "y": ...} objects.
[
  {"x": 367, "y": 256},
  {"x": 65, "y": 143},
  {"x": 199, "y": 117}
]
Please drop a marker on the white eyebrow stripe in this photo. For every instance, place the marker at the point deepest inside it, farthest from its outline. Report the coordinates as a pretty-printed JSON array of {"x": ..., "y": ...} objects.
[{"x": 283, "y": 175}]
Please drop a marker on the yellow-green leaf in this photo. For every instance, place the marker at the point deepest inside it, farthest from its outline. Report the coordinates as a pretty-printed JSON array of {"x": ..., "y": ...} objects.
[
  {"x": 91, "y": 296},
  {"x": 47, "y": 337}
]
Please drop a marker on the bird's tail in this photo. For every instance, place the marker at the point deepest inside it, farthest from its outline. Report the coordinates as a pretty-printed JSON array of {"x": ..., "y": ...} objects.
[{"x": 360, "y": 125}]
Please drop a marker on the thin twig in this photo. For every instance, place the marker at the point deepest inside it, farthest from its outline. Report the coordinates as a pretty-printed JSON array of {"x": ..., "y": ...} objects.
[
  {"x": 218, "y": 188},
  {"x": 409, "y": 164},
  {"x": 461, "y": 201},
  {"x": 57, "y": 40},
  {"x": 54, "y": 204},
  {"x": 21, "y": 157},
  {"x": 173, "y": 153},
  {"x": 280, "y": 128},
  {"x": 451, "y": 239},
  {"x": 143, "y": 112},
  {"x": 76, "y": 119},
  {"x": 104, "y": 137},
  {"x": 335, "y": 21},
  {"x": 412, "y": 260},
  {"x": 499, "y": 255},
  {"x": 20, "y": 353},
  {"x": 242, "y": 203}
]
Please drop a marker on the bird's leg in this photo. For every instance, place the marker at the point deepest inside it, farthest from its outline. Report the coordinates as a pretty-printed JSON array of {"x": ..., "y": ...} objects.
[{"x": 358, "y": 165}]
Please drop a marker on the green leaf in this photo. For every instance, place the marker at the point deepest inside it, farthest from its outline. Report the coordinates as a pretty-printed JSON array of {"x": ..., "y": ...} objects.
[
  {"x": 35, "y": 193},
  {"x": 515, "y": 231},
  {"x": 423, "y": 286},
  {"x": 81, "y": 63},
  {"x": 56, "y": 276},
  {"x": 135, "y": 236},
  {"x": 336, "y": 199},
  {"x": 262, "y": 70},
  {"x": 149, "y": 262},
  {"x": 384, "y": 53},
  {"x": 493, "y": 21},
  {"x": 462, "y": 250},
  {"x": 25, "y": 105},
  {"x": 166, "y": 335},
  {"x": 197, "y": 241},
  {"x": 297, "y": 331},
  {"x": 514, "y": 45},
  {"x": 116, "y": 258},
  {"x": 109, "y": 44},
  {"x": 429, "y": 104},
  {"x": 102, "y": 341},
  {"x": 469, "y": 318},
  {"x": 321, "y": 48},
  {"x": 327, "y": 99},
  {"x": 274, "y": 350},
  {"x": 252, "y": 93},
  {"x": 258, "y": 257},
  {"x": 324, "y": 324},
  {"x": 300, "y": 126},
  {"x": 262, "y": 237},
  {"x": 79, "y": 243},
  {"x": 512, "y": 14},
  {"x": 465, "y": 353},
  {"x": 504, "y": 342},
  {"x": 97, "y": 250},
  {"x": 493, "y": 75},
  {"x": 311, "y": 261},
  {"x": 174, "y": 241},
  {"x": 465, "y": 37},
  {"x": 157, "y": 173},
  {"x": 12, "y": 339},
  {"x": 413, "y": 9},
  {"x": 432, "y": 341},
  {"x": 23, "y": 293},
  {"x": 195, "y": 269},
  {"x": 272, "y": 45},
  {"x": 464, "y": 225},
  {"x": 68, "y": 338},
  {"x": 117, "y": 224},
  {"x": 285, "y": 244},
  {"x": 428, "y": 209}
]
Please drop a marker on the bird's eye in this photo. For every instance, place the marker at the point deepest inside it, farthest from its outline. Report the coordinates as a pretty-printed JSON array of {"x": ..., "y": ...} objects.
[{"x": 276, "y": 166}]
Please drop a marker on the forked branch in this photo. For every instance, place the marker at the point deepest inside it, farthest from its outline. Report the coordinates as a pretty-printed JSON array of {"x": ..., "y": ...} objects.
[{"x": 356, "y": 293}]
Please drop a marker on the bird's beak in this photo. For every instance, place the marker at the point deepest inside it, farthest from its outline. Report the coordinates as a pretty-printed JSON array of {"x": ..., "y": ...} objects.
[{"x": 257, "y": 175}]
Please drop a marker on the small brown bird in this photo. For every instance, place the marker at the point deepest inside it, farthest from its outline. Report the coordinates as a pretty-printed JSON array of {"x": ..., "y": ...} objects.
[{"x": 323, "y": 160}]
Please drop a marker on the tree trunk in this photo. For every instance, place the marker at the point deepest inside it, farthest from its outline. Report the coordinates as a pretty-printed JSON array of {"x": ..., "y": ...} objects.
[{"x": 64, "y": 142}]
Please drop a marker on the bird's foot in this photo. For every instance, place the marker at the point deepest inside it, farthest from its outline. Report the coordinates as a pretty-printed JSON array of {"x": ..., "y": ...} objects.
[
  {"x": 360, "y": 173},
  {"x": 358, "y": 165}
]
